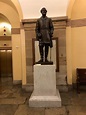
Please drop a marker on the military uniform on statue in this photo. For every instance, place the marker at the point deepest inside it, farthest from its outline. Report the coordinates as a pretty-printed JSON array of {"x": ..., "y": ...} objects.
[{"x": 44, "y": 33}]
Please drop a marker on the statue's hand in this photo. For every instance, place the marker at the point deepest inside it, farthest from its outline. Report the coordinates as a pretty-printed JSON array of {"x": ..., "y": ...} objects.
[
  {"x": 51, "y": 34},
  {"x": 39, "y": 35}
]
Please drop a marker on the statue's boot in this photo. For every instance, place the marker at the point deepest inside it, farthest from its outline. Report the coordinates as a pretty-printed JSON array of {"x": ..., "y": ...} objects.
[
  {"x": 41, "y": 55},
  {"x": 46, "y": 53},
  {"x": 40, "y": 61}
]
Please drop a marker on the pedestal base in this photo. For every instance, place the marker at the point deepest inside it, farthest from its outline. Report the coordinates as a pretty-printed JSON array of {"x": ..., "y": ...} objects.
[
  {"x": 45, "y": 93},
  {"x": 45, "y": 101}
]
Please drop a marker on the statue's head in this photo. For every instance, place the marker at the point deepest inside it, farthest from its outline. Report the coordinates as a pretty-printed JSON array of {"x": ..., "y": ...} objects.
[{"x": 43, "y": 10}]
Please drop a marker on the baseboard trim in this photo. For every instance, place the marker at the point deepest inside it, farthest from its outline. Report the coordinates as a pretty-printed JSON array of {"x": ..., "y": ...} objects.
[
  {"x": 28, "y": 87},
  {"x": 16, "y": 82},
  {"x": 61, "y": 88}
]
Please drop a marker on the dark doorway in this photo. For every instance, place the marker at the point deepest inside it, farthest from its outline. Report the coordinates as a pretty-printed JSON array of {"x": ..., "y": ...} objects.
[{"x": 6, "y": 65}]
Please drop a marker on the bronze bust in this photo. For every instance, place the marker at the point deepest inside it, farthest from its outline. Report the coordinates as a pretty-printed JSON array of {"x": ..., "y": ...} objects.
[{"x": 44, "y": 32}]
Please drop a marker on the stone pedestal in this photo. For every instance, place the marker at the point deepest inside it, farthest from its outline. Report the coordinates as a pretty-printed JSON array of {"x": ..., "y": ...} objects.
[{"x": 45, "y": 93}]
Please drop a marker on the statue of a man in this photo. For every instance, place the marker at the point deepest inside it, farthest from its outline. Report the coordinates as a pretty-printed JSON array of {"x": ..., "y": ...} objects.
[{"x": 44, "y": 33}]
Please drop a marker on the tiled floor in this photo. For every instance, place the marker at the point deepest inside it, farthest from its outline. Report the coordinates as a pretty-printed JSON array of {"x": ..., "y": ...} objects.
[{"x": 14, "y": 101}]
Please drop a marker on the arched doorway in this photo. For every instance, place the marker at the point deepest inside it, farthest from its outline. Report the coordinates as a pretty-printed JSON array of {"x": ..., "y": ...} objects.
[
  {"x": 10, "y": 39},
  {"x": 6, "y": 74}
]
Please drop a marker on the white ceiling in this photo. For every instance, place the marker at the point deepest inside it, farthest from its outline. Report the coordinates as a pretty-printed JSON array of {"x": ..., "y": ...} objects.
[{"x": 55, "y": 8}]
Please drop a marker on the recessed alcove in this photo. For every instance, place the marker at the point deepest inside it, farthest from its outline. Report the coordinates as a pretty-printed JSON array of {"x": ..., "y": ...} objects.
[{"x": 59, "y": 33}]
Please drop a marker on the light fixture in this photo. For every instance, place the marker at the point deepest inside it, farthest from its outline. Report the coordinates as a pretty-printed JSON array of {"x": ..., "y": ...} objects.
[{"x": 4, "y": 31}]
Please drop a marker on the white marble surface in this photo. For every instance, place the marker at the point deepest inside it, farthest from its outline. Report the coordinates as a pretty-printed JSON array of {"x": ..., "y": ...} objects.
[
  {"x": 44, "y": 79},
  {"x": 45, "y": 93},
  {"x": 45, "y": 101}
]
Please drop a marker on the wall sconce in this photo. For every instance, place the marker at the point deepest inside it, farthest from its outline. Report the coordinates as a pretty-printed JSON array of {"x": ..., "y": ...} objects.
[{"x": 4, "y": 31}]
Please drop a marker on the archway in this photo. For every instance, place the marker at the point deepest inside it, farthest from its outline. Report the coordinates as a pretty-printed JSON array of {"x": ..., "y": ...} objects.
[
  {"x": 5, "y": 50},
  {"x": 10, "y": 14}
]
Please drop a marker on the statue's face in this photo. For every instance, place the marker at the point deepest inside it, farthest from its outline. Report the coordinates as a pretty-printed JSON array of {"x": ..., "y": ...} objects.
[{"x": 43, "y": 12}]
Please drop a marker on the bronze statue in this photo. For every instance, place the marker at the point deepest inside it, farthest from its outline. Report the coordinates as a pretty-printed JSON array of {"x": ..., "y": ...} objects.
[{"x": 44, "y": 33}]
